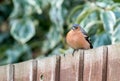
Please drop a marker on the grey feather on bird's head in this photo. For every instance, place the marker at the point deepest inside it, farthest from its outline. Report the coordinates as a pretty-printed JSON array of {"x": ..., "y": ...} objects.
[
  {"x": 75, "y": 26},
  {"x": 79, "y": 28}
]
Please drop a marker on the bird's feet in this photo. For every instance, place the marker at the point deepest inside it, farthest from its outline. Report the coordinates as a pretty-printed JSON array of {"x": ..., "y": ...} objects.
[{"x": 74, "y": 51}]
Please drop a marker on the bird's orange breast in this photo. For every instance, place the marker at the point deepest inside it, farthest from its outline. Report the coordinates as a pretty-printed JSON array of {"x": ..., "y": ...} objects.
[{"x": 76, "y": 40}]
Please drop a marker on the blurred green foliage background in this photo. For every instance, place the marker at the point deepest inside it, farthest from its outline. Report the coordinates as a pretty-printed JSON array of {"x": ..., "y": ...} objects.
[{"x": 37, "y": 28}]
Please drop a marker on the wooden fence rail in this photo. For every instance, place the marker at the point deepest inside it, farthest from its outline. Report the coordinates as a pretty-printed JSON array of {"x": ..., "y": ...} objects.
[{"x": 100, "y": 64}]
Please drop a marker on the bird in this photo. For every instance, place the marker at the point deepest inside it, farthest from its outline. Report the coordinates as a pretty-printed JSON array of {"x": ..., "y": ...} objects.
[{"x": 77, "y": 38}]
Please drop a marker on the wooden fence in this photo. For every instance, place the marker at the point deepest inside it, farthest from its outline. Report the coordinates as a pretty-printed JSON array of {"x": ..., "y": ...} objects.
[{"x": 100, "y": 64}]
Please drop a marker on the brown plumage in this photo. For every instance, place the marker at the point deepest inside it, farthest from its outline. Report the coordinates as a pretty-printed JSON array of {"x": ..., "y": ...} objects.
[{"x": 77, "y": 38}]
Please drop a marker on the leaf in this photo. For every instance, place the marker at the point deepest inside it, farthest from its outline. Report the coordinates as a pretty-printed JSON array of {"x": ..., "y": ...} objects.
[
  {"x": 92, "y": 27},
  {"x": 93, "y": 17},
  {"x": 116, "y": 1},
  {"x": 117, "y": 11},
  {"x": 17, "y": 51},
  {"x": 56, "y": 3},
  {"x": 83, "y": 15},
  {"x": 3, "y": 36},
  {"x": 116, "y": 35},
  {"x": 108, "y": 18},
  {"x": 106, "y": 1},
  {"x": 22, "y": 30},
  {"x": 56, "y": 16},
  {"x": 56, "y": 12},
  {"x": 28, "y": 7},
  {"x": 102, "y": 4},
  {"x": 53, "y": 38},
  {"x": 43, "y": 3},
  {"x": 102, "y": 39},
  {"x": 73, "y": 11},
  {"x": 117, "y": 23}
]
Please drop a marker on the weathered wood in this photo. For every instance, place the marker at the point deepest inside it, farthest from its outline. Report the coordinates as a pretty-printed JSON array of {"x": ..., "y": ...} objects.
[
  {"x": 24, "y": 71},
  {"x": 69, "y": 67},
  {"x": 94, "y": 64},
  {"x": 100, "y": 64},
  {"x": 6, "y": 73},
  {"x": 48, "y": 69},
  {"x": 113, "y": 63}
]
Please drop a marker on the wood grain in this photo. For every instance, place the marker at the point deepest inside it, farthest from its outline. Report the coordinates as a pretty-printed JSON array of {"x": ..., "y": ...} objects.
[
  {"x": 99, "y": 64},
  {"x": 23, "y": 71},
  {"x": 6, "y": 73},
  {"x": 113, "y": 63},
  {"x": 47, "y": 69},
  {"x": 71, "y": 66},
  {"x": 94, "y": 64}
]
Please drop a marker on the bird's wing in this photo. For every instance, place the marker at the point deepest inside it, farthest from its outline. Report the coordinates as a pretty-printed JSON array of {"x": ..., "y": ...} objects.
[
  {"x": 84, "y": 32},
  {"x": 88, "y": 39},
  {"x": 86, "y": 36}
]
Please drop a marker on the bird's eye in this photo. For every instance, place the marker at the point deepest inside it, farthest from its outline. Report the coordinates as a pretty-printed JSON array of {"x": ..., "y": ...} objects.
[{"x": 76, "y": 27}]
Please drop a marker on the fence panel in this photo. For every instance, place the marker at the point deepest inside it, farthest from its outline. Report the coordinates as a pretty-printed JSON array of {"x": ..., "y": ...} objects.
[
  {"x": 99, "y": 64},
  {"x": 69, "y": 68},
  {"x": 6, "y": 73},
  {"x": 48, "y": 69},
  {"x": 94, "y": 64},
  {"x": 113, "y": 63},
  {"x": 24, "y": 71}
]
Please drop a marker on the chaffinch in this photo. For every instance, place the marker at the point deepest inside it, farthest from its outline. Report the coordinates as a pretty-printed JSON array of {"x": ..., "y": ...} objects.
[{"x": 77, "y": 38}]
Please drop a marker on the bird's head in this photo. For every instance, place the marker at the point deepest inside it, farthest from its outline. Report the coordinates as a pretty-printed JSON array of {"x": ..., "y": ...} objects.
[{"x": 75, "y": 27}]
